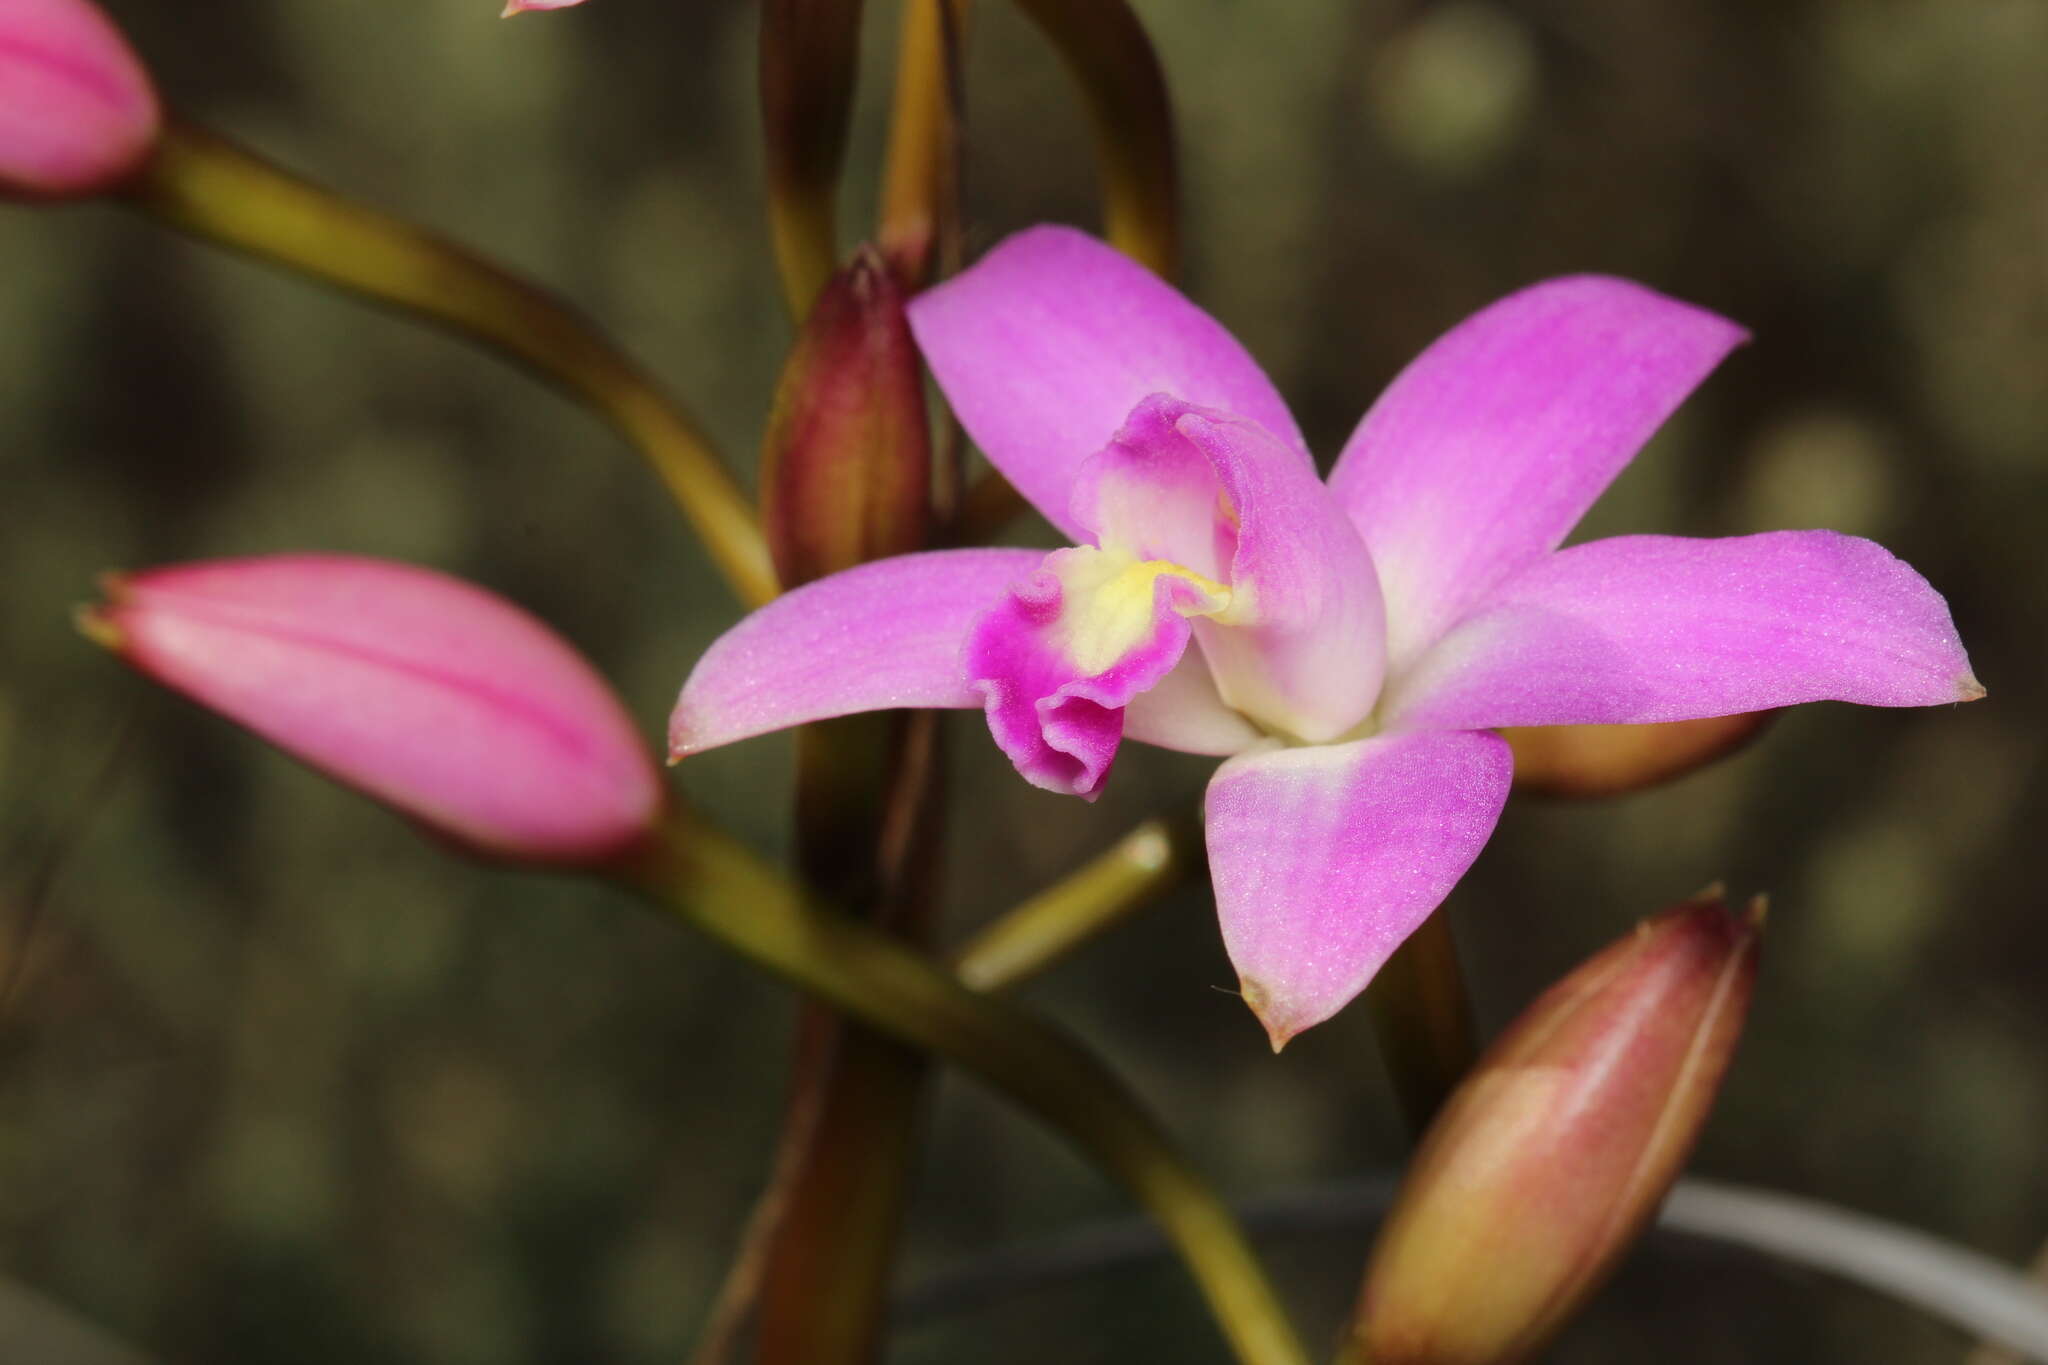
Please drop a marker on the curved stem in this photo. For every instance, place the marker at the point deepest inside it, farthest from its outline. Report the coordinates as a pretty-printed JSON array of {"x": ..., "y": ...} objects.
[
  {"x": 1132, "y": 873},
  {"x": 203, "y": 184},
  {"x": 1111, "y": 59},
  {"x": 810, "y": 59},
  {"x": 713, "y": 884}
]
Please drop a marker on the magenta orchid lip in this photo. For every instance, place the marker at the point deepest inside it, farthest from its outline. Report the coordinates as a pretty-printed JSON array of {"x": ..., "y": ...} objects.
[{"x": 1347, "y": 647}]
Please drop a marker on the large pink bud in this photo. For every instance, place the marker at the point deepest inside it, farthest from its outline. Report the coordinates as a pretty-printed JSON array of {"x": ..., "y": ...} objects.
[
  {"x": 77, "y": 112},
  {"x": 442, "y": 700}
]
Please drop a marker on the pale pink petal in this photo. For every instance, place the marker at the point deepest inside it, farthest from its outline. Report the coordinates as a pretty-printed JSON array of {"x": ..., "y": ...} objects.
[
  {"x": 884, "y": 635},
  {"x": 1487, "y": 449},
  {"x": 1183, "y": 711},
  {"x": 1657, "y": 628},
  {"x": 430, "y": 694},
  {"x": 1325, "y": 858},
  {"x": 1298, "y": 648},
  {"x": 1045, "y": 345},
  {"x": 1064, "y": 651}
]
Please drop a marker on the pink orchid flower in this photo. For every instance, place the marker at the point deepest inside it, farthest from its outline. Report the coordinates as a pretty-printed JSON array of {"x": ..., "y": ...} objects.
[{"x": 1356, "y": 642}]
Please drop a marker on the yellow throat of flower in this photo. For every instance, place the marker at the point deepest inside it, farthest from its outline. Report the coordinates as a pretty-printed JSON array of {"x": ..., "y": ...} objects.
[{"x": 1106, "y": 603}]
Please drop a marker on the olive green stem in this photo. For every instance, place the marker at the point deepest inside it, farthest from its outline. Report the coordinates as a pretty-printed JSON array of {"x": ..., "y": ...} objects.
[
  {"x": 1111, "y": 59},
  {"x": 203, "y": 184},
  {"x": 1424, "y": 1020},
  {"x": 919, "y": 213},
  {"x": 711, "y": 883},
  {"x": 810, "y": 59},
  {"x": 1135, "y": 871}
]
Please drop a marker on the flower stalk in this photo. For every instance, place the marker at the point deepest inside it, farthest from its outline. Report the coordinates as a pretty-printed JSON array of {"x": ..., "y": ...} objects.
[
  {"x": 919, "y": 220},
  {"x": 1422, "y": 1016},
  {"x": 205, "y": 185},
  {"x": 712, "y": 884},
  {"x": 1145, "y": 864},
  {"x": 845, "y": 478},
  {"x": 810, "y": 59}
]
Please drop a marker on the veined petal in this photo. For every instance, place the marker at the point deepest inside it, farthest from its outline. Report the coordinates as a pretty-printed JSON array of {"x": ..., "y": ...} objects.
[
  {"x": 879, "y": 636},
  {"x": 1045, "y": 345},
  {"x": 1299, "y": 648},
  {"x": 1062, "y": 653},
  {"x": 1325, "y": 858},
  {"x": 1656, "y": 628},
  {"x": 1484, "y": 453}
]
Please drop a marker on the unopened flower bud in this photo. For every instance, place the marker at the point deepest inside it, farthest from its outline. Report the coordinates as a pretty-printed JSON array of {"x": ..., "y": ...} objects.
[
  {"x": 1556, "y": 1151},
  {"x": 846, "y": 463},
  {"x": 513, "y": 7},
  {"x": 1610, "y": 760},
  {"x": 78, "y": 114},
  {"x": 442, "y": 700}
]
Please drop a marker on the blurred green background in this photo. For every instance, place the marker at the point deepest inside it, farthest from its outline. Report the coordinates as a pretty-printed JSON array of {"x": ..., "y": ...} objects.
[{"x": 279, "y": 1081}]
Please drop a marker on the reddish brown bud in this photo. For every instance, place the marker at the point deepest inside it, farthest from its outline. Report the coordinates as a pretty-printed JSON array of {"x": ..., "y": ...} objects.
[
  {"x": 1556, "y": 1151},
  {"x": 846, "y": 465}
]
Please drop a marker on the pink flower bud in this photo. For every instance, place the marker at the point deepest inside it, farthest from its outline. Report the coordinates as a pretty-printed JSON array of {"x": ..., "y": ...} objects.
[
  {"x": 1556, "y": 1151},
  {"x": 513, "y": 7},
  {"x": 442, "y": 700},
  {"x": 77, "y": 111}
]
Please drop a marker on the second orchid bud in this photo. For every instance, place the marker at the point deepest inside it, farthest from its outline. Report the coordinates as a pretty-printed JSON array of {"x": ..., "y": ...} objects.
[
  {"x": 846, "y": 464},
  {"x": 1556, "y": 1151},
  {"x": 78, "y": 114},
  {"x": 444, "y": 701}
]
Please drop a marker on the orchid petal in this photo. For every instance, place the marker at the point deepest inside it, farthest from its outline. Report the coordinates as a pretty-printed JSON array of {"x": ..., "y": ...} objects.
[
  {"x": 1657, "y": 628},
  {"x": 1299, "y": 646},
  {"x": 1183, "y": 711},
  {"x": 1325, "y": 858},
  {"x": 1045, "y": 345},
  {"x": 1064, "y": 651},
  {"x": 1484, "y": 452},
  {"x": 883, "y": 635}
]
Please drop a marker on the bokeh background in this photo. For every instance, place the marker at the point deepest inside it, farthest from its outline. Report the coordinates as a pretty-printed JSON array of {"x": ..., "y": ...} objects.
[{"x": 279, "y": 1081}]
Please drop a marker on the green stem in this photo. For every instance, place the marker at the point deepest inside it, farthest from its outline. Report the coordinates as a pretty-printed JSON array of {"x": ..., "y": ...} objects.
[
  {"x": 1424, "y": 1019},
  {"x": 711, "y": 883},
  {"x": 205, "y": 185},
  {"x": 1135, "y": 871},
  {"x": 1111, "y": 59}
]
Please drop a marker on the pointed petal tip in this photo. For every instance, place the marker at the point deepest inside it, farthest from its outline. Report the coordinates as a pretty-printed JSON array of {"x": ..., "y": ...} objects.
[
  {"x": 1969, "y": 689},
  {"x": 1282, "y": 1026}
]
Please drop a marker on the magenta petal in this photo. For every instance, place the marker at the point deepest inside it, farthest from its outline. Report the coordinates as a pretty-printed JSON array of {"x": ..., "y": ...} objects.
[
  {"x": 884, "y": 635},
  {"x": 1325, "y": 858},
  {"x": 1061, "y": 655},
  {"x": 1299, "y": 648},
  {"x": 1487, "y": 449},
  {"x": 1045, "y": 345},
  {"x": 1655, "y": 628}
]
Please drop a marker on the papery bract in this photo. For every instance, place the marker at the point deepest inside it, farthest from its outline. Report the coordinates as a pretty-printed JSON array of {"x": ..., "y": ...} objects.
[
  {"x": 78, "y": 114},
  {"x": 1558, "y": 1147},
  {"x": 438, "y": 698},
  {"x": 1349, "y": 646}
]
